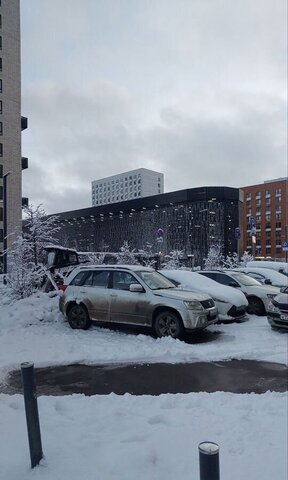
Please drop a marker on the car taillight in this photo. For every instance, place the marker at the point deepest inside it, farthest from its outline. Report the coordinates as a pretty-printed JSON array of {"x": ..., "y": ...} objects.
[{"x": 62, "y": 287}]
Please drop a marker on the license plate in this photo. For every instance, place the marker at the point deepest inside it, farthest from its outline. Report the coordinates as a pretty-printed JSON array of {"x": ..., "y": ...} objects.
[{"x": 284, "y": 316}]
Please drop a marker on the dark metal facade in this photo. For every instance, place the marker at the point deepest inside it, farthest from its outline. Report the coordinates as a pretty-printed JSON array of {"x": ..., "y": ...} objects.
[{"x": 192, "y": 220}]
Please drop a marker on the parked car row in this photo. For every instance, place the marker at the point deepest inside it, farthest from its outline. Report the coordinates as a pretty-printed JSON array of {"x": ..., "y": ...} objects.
[
  {"x": 170, "y": 302},
  {"x": 232, "y": 304},
  {"x": 258, "y": 295}
]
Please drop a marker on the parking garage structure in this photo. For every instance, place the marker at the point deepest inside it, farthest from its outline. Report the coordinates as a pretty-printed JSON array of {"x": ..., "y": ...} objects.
[{"x": 190, "y": 220}]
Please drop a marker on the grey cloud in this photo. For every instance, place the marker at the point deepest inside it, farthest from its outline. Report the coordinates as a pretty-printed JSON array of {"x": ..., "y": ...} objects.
[{"x": 194, "y": 89}]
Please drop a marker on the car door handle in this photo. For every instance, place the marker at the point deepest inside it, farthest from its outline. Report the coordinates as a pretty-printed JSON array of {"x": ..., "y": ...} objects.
[{"x": 113, "y": 295}]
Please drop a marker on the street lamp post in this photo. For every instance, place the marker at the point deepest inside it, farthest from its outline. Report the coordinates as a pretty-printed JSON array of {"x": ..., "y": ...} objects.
[{"x": 5, "y": 225}]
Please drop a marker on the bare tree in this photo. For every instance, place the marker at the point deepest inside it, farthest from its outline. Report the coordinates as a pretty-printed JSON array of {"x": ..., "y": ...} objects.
[{"x": 39, "y": 229}]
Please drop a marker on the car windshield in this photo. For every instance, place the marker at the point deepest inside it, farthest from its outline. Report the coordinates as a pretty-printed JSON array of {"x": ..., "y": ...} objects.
[
  {"x": 155, "y": 280},
  {"x": 244, "y": 279}
]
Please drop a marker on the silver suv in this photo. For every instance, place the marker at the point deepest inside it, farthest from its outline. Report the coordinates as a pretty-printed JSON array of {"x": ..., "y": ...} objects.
[{"x": 135, "y": 295}]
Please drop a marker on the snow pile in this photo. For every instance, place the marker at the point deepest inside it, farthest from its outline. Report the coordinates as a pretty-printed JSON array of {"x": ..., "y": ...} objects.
[
  {"x": 111, "y": 437},
  {"x": 124, "y": 437}
]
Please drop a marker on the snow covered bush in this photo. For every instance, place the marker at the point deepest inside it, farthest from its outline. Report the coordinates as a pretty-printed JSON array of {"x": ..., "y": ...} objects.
[
  {"x": 246, "y": 257},
  {"x": 24, "y": 277},
  {"x": 147, "y": 258},
  {"x": 96, "y": 258},
  {"x": 172, "y": 260},
  {"x": 214, "y": 259},
  {"x": 231, "y": 261},
  {"x": 126, "y": 256}
]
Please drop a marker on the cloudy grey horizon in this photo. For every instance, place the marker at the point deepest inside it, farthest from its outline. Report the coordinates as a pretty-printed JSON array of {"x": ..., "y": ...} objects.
[{"x": 195, "y": 89}]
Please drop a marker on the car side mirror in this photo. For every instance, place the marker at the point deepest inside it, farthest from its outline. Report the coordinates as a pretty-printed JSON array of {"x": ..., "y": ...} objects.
[
  {"x": 267, "y": 281},
  {"x": 136, "y": 287}
]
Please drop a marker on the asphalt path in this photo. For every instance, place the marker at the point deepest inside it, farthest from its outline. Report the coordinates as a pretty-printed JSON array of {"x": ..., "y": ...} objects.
[{"x": 236, "y": 376}]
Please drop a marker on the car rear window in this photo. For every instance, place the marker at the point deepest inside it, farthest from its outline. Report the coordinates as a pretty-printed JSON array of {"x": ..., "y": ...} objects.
[
  {"x": 90, "y": 278},
  {"x": 78, "y": 280}
]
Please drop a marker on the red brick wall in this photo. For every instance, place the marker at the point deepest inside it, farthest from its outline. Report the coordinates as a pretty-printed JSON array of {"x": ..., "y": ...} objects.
[{"x": 271, "y": 233}]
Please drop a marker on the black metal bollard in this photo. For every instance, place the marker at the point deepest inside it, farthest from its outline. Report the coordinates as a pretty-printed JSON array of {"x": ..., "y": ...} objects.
[
  {"x": 31, "y": 410},
  {"x": 209, "y": 461}
]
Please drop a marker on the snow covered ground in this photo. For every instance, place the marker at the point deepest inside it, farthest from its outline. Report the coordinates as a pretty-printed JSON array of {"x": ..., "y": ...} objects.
[{"x": 111, "y": 437}]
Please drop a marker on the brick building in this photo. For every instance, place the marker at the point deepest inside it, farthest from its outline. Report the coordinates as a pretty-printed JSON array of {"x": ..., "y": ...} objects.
[{"x": 266, "y": 203}]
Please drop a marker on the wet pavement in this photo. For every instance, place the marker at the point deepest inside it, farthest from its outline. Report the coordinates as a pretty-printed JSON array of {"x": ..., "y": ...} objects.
[{"x": 236, "y": 376}]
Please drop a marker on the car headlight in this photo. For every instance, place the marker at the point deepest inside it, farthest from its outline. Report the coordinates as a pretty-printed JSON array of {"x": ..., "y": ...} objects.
[
  {"x": 272, "y": 308},
  {"x": 271, "y": 295},
  {"x": 193, "y": 305}
]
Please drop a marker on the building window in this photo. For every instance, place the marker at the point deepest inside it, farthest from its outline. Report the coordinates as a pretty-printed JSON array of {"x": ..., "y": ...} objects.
[
  {"x": 1, "y": 214},
  {"x": 1, "y": 149},
  {"x": 1, "y": 235},
  {"x": 1, "y": 106},
  {"x": 1, "y": 89},
  {"x": 278, "y": 191},
  {"x": 0, "y": 42},
  {"x": 1, "y": 170},
  {"x": 1, "y": 192},
  {"x": 0, "y": 20}
]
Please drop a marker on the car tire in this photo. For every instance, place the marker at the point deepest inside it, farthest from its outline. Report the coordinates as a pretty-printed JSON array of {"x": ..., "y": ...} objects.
[
  {"x": 256, "y": 306},
  {"x": 168, "y": 324},
  {"x": 78, "y": 317}
]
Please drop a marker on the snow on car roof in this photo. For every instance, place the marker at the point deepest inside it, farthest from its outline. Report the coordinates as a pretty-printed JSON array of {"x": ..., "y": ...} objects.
[
  {"x": 134, "y": 268},
  {"x": 273, "y": 275},
  {"x": 201, "y": 283}
]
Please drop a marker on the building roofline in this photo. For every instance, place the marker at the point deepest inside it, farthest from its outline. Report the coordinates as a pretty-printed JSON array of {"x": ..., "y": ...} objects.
[{"x": 176, "y": 197}]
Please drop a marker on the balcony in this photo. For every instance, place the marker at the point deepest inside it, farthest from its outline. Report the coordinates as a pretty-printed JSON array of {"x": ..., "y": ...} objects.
[
  {"x": 24, "y": 162},
  {"x": 25, "y": 201},
  {"x": 24, "y": 123}
]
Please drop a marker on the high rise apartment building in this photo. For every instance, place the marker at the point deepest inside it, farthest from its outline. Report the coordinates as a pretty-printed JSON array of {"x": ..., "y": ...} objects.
[
  {"x": 11, "y": 122},
  {"x": 137, "y": 183},
  {"x": 266, "y": 214}
]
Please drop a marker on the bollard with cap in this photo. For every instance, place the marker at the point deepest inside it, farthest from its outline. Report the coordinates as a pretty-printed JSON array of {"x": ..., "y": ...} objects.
[
  {"x": 31, "y": 410},
  {"x": 209, "y": 461}
]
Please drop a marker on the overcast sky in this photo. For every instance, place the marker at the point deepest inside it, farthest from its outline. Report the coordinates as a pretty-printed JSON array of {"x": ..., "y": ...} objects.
[{"x": 195, "y": 89}]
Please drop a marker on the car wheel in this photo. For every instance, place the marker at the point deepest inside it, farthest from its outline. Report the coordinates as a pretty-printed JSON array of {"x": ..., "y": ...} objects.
[
  {"x": 256, "y": 306},
  {"x": 78, "y": 317},
  {"x": 168, "y": 324}
]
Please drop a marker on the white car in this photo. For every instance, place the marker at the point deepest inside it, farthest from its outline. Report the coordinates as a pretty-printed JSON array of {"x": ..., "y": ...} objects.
[
  {"x": 258, "y": 295},
  {"x": 232, "y": 304},
  {"x": 277, "y": 313},
  {"x": 266, "y": 276},
  {"x": 281, "y": 267}
]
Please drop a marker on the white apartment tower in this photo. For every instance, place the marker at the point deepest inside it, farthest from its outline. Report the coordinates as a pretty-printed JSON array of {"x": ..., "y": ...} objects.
[
  {"x": 127, "y": 186},
  {"x": 11, "y": 123}
]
